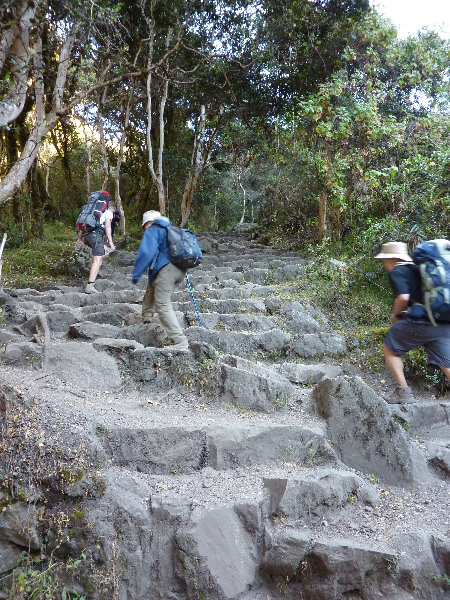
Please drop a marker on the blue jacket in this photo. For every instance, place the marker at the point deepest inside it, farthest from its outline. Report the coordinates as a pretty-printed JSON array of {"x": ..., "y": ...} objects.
[{"x": 153, "y": 244}]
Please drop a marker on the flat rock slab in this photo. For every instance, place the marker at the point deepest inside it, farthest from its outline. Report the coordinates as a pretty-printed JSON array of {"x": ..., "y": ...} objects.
[
  {"x": 422, "y": 417},
  {"x": 81, "y": 364},
  {"x": 159, "y": 450},
  {"x": 309, "y": 374},
  {"x": 314, "y": 496}
]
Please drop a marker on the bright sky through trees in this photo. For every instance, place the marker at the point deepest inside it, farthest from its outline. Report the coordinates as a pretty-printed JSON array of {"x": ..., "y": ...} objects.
[{"x": 409, "y": 16}]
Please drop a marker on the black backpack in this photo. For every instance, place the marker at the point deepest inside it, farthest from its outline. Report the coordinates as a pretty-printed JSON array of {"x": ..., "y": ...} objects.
[
  {"x": 89, "y": 217},
  {"x": 184, "y": 250}
]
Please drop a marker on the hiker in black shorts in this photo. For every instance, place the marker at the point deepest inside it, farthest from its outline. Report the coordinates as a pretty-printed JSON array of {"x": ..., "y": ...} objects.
[
  {"x": 96, "y": 241},
  {"x": 406, "y": 332}
]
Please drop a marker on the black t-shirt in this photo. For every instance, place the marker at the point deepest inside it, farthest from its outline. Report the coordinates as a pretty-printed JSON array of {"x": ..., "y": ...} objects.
[{"x": 405, "y": 279}]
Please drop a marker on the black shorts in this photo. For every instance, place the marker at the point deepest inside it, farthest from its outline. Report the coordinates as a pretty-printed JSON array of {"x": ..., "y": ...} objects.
[
  {"x": 408, "y": 334},
  {"x": 95, "y": 241}
]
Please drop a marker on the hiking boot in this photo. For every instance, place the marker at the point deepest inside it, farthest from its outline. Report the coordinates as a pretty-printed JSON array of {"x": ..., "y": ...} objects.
[
  {"x": 91, "y": 289},
  {"x": 401, "y": 395},
  {"x": 180, "y": 346}
]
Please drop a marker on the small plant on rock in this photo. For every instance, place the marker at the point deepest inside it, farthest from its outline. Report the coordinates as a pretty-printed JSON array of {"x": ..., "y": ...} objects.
[{"x": 392, "y": 563}]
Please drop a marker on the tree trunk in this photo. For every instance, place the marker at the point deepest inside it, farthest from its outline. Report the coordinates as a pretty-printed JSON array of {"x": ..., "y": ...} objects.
[
  {"x": 37, "y": 209},
  {"x": 157, "y": 171},
  {"x": 323, "y": 199},
  {"x": 15, "y": 44},
  {"x": 12, "y": 181},
  {"x": 105, "y": 164},
  {"x": 123, "y": 138},
  {"x": 244, "y": 203},
  {"x": 88, "y": 160},
  {"x": 199, "y": 161},
  {"x": 13, "y": 155}
]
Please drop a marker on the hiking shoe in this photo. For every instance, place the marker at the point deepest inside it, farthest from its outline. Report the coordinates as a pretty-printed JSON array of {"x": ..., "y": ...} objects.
[
  {"x": 108, "y": 251},
  {"x": 91, "y": 289},
  {"x": 180, "y": 346},
  {"x": 148, "y": 319},
  {"x": 401, "y": 395}
]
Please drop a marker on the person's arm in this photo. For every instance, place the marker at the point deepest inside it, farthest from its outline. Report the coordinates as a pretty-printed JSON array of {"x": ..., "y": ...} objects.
[
  {"x": 400, "y": 305},
  {"x": 109, "y": 234},
  {"x": 79, "y": 240},
  {"x": 146, "y": 253}
]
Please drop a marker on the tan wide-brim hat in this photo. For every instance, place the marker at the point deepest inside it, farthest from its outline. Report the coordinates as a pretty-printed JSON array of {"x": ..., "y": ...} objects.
[
  {"x": 394, "y": 250},
  {"x": 150, "y": 215}
]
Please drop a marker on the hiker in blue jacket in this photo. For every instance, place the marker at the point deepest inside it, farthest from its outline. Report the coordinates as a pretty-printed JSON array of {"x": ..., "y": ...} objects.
[
  {"x": 408, "y": 332},
  {"x": 163, "y": 276}
]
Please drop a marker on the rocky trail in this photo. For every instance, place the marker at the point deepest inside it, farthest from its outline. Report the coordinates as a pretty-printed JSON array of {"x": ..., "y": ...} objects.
[{"x": 253, "y": 466}]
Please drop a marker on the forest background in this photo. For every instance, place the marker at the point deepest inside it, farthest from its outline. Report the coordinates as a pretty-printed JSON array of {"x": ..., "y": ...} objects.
[{"x": 310, "y": 118}]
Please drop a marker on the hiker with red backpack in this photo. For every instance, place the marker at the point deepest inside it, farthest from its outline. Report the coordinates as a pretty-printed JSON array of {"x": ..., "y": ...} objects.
[
  {"x": 421, "y": 311},
  {"x": 94, "y": 228}
]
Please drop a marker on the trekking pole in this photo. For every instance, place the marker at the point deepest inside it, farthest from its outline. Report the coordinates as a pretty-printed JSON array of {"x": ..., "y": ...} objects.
[{"x": 193, "y": 299}]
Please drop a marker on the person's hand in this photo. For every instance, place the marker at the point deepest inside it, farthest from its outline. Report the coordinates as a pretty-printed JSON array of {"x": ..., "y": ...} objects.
[
  {"x": 78, "y": 243},
  {"x": 134, "y": 281}
]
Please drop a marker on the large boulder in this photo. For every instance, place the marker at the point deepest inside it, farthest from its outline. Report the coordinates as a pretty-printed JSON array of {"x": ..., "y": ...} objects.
[
  {"x": 362, "y": 430},
  {"x": 255, "y": 391},
  {"x": 216, "y": 556},
  {"x": 317, "y": 344},
  {"x": 231, "y": 447},
  {"x": 79, "y": 363},
  {"x": 19, "y": 524},
  {"x": 24, "y": 354},
  {"x": 298, "y": 319},
  {"x": 284, "y": 553}
]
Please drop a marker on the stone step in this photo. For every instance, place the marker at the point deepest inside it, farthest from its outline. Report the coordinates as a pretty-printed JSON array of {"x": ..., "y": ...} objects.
[
  {"x": 242, "y": 343},
  {"x": 187, "y": 449},
  {"x": 239, "y": 292},
  {"x": 248, "y": 306},
  {"x": 234, "y": 322},
  {"x": 227, "y": 545},
  {"x": 80, "y": 299}
]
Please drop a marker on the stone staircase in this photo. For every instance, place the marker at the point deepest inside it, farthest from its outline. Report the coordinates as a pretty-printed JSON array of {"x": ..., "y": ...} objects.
[{"x": 252, "y": 466}]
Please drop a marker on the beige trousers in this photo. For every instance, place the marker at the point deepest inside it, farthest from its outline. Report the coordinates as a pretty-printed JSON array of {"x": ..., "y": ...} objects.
[{"x": 157, "y": 299}]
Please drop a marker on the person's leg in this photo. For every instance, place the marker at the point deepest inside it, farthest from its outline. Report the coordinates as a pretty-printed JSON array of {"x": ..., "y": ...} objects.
[
  {"x": 95, "y": 268},
  {"x": 164, "y": 284},
  {"x": 148, "y": 303},
  {"x": 395, "y": 365}
]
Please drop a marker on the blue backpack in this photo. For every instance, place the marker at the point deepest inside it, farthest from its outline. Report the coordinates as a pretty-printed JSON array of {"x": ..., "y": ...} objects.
[{"x": 433, "y": 260}]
